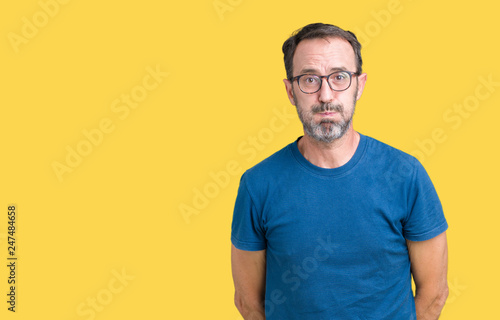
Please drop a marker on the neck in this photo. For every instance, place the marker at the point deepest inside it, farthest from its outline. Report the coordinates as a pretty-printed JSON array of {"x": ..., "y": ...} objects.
[{"x": 330, "y": 155}]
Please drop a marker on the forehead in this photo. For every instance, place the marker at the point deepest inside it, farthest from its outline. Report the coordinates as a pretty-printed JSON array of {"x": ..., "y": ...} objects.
[{"x": 323, "y": 55}]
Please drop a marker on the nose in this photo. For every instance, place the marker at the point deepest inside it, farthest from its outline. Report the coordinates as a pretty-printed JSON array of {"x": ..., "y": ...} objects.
[{"x": 326, "y": 94}]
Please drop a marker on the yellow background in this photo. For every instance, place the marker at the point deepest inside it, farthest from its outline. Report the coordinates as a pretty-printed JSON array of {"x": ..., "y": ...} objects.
[{"x": 118, "y": 210}]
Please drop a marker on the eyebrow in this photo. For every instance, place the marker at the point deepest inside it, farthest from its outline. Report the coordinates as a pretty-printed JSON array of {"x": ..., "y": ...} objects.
[{"x": 315, "y": 71}]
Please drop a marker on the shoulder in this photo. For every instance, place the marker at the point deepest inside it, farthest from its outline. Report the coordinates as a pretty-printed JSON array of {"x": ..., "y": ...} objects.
[
  {"x": 392, "y": 163},
  {"x": 270, "y": 169},
  {"x": 384, "y": 152}
]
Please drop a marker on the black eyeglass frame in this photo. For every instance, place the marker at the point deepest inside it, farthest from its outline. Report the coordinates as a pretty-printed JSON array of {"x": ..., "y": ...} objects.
[{"x": 351, "y": 74}]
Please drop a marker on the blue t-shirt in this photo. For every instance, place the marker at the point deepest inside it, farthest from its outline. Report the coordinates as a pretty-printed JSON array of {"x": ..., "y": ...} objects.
[{"x": 336, "y": 238}]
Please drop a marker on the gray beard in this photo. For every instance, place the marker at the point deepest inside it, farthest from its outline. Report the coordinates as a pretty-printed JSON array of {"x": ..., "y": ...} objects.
[{"x": 326, "y": 131}]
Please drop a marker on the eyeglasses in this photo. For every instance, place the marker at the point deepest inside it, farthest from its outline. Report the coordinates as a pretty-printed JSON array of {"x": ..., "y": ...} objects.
[{"x": 338, "y": 81}]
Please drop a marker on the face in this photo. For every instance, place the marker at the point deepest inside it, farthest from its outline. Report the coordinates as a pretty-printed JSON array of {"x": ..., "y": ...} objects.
[{"x": 326, "y": 115}]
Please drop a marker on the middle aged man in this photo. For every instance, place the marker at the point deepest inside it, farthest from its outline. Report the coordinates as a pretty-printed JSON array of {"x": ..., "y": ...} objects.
[{"x": 326, "y": 227}]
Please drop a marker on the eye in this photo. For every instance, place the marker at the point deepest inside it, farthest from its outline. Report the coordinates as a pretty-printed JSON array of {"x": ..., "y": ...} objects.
[
  {"x": 341, "y": 76},
  {"x": 310, "y": 79}
]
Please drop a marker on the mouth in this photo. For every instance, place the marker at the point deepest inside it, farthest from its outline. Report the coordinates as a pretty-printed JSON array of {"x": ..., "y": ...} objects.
[{"x": 327, "y": 113}]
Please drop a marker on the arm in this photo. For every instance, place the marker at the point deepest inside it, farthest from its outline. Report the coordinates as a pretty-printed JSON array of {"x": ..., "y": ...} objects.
[
  {"x": 249, "y": 276},
  {"x": 429, "y": 266}
]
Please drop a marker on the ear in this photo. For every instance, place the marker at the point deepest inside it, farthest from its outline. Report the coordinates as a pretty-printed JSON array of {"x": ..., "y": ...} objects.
[
  {"x": 289, "y": 90},
  {"x": 361, "y": 85}
]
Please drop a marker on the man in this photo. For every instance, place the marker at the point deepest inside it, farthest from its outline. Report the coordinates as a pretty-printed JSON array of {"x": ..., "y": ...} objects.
[{"x": 326, "y": 228}]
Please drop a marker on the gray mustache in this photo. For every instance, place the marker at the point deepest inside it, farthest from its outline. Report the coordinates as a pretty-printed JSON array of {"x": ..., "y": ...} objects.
[{"x": 325, "y": 107}]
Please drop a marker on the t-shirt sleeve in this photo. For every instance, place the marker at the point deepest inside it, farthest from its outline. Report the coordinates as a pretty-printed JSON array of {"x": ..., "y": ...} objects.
[
  {"x": 425, "y": 218},
  {"x": 247, "y": 232}
]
